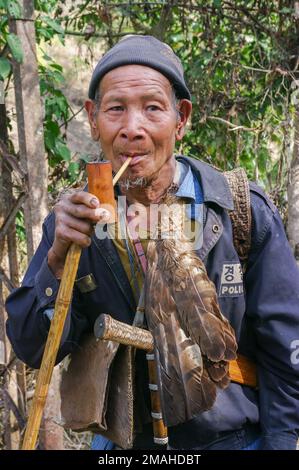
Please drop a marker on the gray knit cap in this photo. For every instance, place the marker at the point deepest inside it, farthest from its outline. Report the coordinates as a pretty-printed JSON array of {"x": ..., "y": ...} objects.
[{"x": 142, "y": 50}]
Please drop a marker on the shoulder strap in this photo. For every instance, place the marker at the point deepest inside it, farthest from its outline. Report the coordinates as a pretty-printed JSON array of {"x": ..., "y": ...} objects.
[{"x": 241, "y": 215}]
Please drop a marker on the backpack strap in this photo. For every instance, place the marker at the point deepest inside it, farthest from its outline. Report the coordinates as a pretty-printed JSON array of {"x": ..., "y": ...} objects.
[{"x": 241, "y": 215}]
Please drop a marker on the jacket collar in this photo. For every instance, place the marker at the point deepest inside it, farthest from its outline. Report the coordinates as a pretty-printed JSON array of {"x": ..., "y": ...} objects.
[{"x": 214, "y": 184}]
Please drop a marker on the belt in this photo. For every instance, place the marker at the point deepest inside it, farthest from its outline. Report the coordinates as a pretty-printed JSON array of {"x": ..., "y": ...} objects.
[{"x": 243, "y": 371}]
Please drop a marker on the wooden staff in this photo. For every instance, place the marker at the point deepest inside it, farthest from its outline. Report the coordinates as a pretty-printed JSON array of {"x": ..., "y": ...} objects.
[
  {"x": 103, "y": 171},
  {"x": 107, "y": 328}
]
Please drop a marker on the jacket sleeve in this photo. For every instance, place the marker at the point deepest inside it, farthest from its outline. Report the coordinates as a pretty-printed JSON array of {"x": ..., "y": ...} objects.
[
  {"x": 272, "y": 292},
  {"x": 31, "y": 307}
]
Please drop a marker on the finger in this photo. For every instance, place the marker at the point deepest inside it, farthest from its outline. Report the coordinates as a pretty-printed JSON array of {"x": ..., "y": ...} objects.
[
  {"x": 81, "y": 225},
  {"x": 79, "y": 211},
  {"x": 103, "y": 215},
  {"x": 72, "y": 236},
  {"x": 82, "y": 197}
]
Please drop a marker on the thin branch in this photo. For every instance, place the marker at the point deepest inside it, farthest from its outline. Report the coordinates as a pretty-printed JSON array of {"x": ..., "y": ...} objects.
[
  {"x": 96, "y": 35},
  {"x": 74, "y": 12},
  {"x": 239, "y": 21},
  {"x": 252, "y": 16},
  {"x": 255, "y": 69},
  {"x": 6, "y": 368},
  {"x": 265, "y": 96},
  {"x": 11, "y": 160},
  {"x": 138, "y": 4},
  {"x": 276, "y": 69},
  {"x": 4, "y": 52},
  {"x": 13, "y": 407},
  {"x": 121, "y": 24},
  {"x": 232, "y": 126},
  {"x": 72, "y": 117},
  {"x": 190, "y": 5},
  {"x": 11, "y": 217},
  {"x": 8, "y": 282}
]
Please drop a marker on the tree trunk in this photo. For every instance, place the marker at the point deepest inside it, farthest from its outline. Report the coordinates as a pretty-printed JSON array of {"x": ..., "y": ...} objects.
[
  {"x": 51, "y": 433},
  {"x": 3, "y": 209},
  {"x": 293, "y": 194},
  {"x": 30, "y": 128},
  {"x": 10, "y": 388},
  {"x": 31, "y": 144}
]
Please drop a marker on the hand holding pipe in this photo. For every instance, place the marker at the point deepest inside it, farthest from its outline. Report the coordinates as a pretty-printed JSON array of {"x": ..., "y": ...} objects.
[{"x": 103, "y": 189}]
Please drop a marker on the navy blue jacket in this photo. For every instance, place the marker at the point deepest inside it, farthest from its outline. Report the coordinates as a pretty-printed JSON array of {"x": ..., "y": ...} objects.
[{"x": 265, "y": 315}]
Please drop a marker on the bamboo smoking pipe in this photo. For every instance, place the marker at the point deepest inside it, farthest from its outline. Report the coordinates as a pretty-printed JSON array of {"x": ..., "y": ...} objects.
[
  {"x": 107, "y": 328},
  {"x": 103, "y": 187}
]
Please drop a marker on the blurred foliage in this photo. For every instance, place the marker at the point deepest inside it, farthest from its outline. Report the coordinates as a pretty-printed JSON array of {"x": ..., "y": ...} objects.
[{"x": 240, "y": 59}]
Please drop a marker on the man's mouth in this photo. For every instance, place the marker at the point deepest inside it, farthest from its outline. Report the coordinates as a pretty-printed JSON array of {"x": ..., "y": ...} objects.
[{"x": 136, "y": 157}]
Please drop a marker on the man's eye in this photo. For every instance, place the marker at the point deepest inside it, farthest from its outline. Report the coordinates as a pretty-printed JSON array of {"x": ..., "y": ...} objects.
[
  {"x": 153, "y": 107},
  {"x": 116, "y": 108}
]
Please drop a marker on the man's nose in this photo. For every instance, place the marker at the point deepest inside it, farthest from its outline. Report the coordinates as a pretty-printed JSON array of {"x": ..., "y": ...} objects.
[{"x": 133, "y": 127}]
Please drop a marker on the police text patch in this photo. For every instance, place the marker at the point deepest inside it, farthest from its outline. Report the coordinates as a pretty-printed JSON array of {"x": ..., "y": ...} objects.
[{"x": 231, "y": 280}]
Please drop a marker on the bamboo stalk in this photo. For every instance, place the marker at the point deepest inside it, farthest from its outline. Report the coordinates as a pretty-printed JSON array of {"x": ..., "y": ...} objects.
[
  {"x": 54, "y": 337},
  {"x": 121, "y": 171}
]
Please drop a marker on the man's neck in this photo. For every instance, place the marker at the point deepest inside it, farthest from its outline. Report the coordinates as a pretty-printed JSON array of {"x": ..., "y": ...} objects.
[{"x": 155, "y": 187}]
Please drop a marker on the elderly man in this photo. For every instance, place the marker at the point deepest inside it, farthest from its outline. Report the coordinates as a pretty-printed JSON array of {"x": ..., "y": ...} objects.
[{"x": 139, "y": 106}]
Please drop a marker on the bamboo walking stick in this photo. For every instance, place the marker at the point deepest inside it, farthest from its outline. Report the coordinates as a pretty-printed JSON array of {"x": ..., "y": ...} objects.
[{"x": 102, "y": 186}]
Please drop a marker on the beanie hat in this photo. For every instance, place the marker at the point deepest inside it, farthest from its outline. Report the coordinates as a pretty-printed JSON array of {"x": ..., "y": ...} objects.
[{"x": 142, "y": 50}]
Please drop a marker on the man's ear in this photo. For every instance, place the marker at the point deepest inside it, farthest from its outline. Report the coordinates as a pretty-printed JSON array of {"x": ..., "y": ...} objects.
[
  {"x": 92, "y": 114},
  {"x": 184, "y": 110}
]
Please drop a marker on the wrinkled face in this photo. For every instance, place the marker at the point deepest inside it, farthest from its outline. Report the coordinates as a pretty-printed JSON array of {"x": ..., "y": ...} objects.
[{"x": 136, "y": 117}]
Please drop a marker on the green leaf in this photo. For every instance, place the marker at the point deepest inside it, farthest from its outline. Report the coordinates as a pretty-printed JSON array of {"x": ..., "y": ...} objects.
[
  {"x": 47, "y": 57},
  {"x": 15, "y": 46},
  {"x": 53, "y": 24},
  {"x": 5, "y": 67},
  {"x": 73, "y": 170},
  {"x": 63, "y": 151},
  {"x": 49, "y": 140},
  {"x": 217, "y": 3},
  {"x": 51, "y": 133},
  {"x": 56, "y": 67},
  {"x": 44, "y": 32},
  {"x": 53, "y": 128},
  {"x": 14, "y": 9},
  {"x": 286, "y": 10}
]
